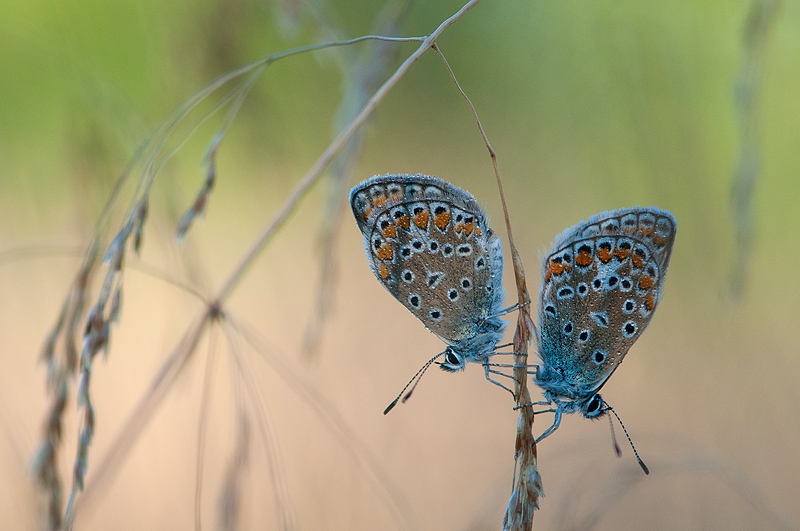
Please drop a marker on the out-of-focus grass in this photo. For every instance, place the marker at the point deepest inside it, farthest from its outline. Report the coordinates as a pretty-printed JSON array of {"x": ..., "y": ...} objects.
[{"x": 589, "y": 106}]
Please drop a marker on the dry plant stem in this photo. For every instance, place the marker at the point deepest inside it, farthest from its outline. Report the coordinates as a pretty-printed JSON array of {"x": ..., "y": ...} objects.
[
  {"x": 332, "y": 420},
  {"x": 59, "y": 374},
  {"x": 159, "y": 386},
  {"x": 528, "y": 486},
  {"x": 230, "y": 493},
  {"x": 230, "y": 499},
  {"x": 128, "y": 434},
  {"x": 322, "y": 162},
  {"x": 758, "y": 27},
  {"x": 366, "y": 71},
  {"x": 246, "y": 385},
  {"x": 202, "y": 426}
]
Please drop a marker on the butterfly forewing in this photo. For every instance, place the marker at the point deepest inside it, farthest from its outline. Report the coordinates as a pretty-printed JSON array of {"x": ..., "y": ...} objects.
[
  {"x": 601, "y": 285},
  {"x": 429, "y": 244}
]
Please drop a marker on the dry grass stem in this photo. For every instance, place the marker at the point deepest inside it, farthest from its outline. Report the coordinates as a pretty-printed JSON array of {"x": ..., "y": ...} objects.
[
  {"x": 202, "y": 427},
  {"x": 360, "y": 80},
  {"x": 230, "y": 499},
  {"x": 330, "y": 418},
  {"x": 248, "y": 387},
  {"x": 528, "y": 485},
  {"x": 105, "y": 310},
  {"x": 758, "y": 27}
]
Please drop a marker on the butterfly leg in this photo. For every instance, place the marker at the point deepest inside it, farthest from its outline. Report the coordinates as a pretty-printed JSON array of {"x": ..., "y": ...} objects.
[
  {"x": 488, "y": 370},
  {"x": 554, "y": 427},
  {"x": 510, "y": 309}
]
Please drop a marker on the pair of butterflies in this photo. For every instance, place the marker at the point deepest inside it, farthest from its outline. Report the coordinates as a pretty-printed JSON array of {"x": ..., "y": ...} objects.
[{"x": 430, "y": 245}]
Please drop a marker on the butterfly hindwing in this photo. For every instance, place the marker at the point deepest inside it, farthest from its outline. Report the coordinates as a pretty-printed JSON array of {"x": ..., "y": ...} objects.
[
  {"x": 429, "y": 244},
  {"x": 601, "y": 284}
]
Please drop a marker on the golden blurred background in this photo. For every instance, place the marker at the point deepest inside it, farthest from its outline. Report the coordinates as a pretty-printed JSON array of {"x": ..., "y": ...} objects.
[{"x": 688, "y": 106}]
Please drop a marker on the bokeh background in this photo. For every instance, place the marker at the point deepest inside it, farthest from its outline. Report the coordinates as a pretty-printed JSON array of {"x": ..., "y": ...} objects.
[{"x": 689, "y": 106}]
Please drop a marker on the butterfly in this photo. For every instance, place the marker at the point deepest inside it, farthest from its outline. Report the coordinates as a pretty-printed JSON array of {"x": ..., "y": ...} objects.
[
  {"x": 430, "y": 245},
  {"x": 601, "y": 284}
]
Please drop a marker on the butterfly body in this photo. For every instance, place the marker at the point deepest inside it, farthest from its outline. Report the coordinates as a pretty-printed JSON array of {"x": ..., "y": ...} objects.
[
  {"x": 430, "y": 245},
  {"x": 601, "y": 284}
]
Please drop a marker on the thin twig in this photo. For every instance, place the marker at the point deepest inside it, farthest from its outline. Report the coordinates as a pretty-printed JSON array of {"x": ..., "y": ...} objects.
[
  {"x": 525, "y": 496},
  {"x": 310, "y": 178},
  {"x": 760, "y": 21},
  {"x": 183, "y": 351}
]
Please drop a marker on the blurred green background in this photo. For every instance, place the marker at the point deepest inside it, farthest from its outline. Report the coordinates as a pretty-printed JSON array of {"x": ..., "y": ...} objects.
[{"x": 589, "y": 105}]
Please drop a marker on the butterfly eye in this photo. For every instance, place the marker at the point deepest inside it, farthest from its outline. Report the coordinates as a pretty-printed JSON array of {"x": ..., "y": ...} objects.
[
  {"x": 451, "y": 359},
  {"x": 594, "y": 407}
]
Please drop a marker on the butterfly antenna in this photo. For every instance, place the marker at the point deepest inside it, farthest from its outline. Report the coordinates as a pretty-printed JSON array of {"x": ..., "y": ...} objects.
[
  {"x": 415, "y": 380},
  {"x": 641, "y": 463},
  {"x": 614, "y": 438}
]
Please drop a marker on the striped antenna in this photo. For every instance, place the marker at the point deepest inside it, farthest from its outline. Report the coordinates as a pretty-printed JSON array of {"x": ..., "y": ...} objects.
[
  {"x": 641, "y": 463},
  {"x": 416, "y": 377}
]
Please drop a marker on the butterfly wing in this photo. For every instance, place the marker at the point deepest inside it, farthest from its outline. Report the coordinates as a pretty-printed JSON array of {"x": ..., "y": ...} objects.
[
  {"x": 601, "y": 285},
  {"x": 430, "y": 245}
]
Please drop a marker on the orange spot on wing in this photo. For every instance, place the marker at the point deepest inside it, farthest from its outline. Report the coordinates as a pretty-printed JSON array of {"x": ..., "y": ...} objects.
[
  {"x": 584, "y": 258},
  {"x": 477, "y": 231},
  {"x": 557, "y": 268},
  {"x": 646, "y": 282},
  {"x": 459, "y": 227},
  {"x": 389, "y": 232},
  {"x": 547, "y": 275},
  {"x": 650, "y": 303},
  {"x": 378, "y": 202},
  {"x": 622, "y": 254},
  {"x": 385, "y": 252},
  {"x": 659, "y": 240},
  {"x": 441, "y": 220},
  {"x": 645, "y": 231},
  {"x": 384, "y": 272},
  {"x": 604, "y": 255},
  {"x": 638, "y": 261},
  {"x": 421, "y": 219},
  {"x": 469, "y": 227},
  {"x": 404, "y": 222}
]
